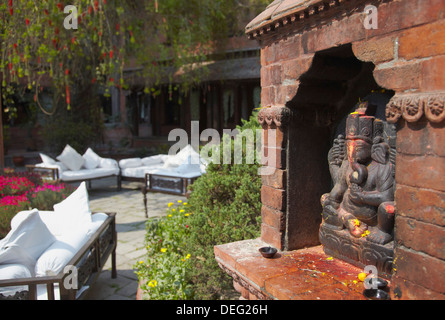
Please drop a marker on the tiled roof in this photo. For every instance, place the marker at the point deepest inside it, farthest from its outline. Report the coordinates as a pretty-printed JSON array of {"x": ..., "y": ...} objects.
[{"x": 283, "y": 12}]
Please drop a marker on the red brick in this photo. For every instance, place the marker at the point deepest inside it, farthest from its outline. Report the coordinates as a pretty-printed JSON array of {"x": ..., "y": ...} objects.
[
  {"x": 399, "y": 77},
  {"x": 420, "y": 236},
  {"x": 274, "y": 198},
  {"x": 424, "y": 41},
  {"x": 273, "y": 218},
  {"x": 277, "y": 139},
  {"x": 399, "y": 15},
  {"x": 403, "y": 289},
  {"x": 346, "y": 30},
  {"x": 294, "y": 68},
  {"x": 276, "y": 180},
  {"x": 272, "y": 236},
  {"x": 273, "y": 157},
  {"x": 375, "y": 50},
  {"x": 433, "y": 77},
  {"x": 288, "y": 48},
  {"x": 420, "y": 269},
  {"x": 286, "y": 93},
  {"x": 270, "y": 75},
  {"x": 421, "y": 171},
  {"x": 267, "y": 96},
  {"x": 421, "y": 137},
  {"x": 421, "y": 204}
]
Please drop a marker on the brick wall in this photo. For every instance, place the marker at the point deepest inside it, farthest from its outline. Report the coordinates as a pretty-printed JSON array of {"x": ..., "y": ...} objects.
[{"x": 408, "y": 51}]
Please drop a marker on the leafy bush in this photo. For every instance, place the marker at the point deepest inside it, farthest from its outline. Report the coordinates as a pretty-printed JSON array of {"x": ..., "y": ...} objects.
[
  {"x": 226, "y": 206},
  {"x": 167, "y": 262}
]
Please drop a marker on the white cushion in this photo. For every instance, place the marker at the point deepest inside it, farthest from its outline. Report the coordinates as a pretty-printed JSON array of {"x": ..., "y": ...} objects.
[
  {"x": 57, "y": 256},
  {"x": 92, "y": 160},
  {"x": 48, "y": 161},
  {"x": 157, "y": 159},
  {"x": 186, "y": 154},
  {"x": 85, "y": 174},
  {"x": 108, "y": 163},
  {"x": 13, "y": 271},
  {"x": 71, "y": 158},
  {"x": 26, "y": 241},
  {"x": 188, "y": 167},
  {"x": 73, "y": 214},
  {"x": 130, "y": 163}
]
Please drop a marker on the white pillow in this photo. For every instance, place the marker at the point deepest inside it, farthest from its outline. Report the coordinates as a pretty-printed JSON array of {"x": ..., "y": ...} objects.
[
  {"x": 48, "y": 161},
  {"x": 130, "y": 163},
  {"x": 26, "y": 242},
  {"x": 152, "y": 160},
  {"x": 71, "y": 158},
  {"x": 57, "y": 256},
  {"x": 73, "y": 214},
  {"x": 13, "y": 271},
  {"x": 108, "y": 163},
  {"x": 92, "y": 160}
]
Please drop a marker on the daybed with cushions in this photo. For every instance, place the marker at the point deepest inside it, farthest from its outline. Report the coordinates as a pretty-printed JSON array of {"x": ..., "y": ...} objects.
[
  {"x": 73, "y": 167},
  {"x": 186, "y": 164},
  {"x": 47, "y": 251},
  {"x": 164, "y": 173}
]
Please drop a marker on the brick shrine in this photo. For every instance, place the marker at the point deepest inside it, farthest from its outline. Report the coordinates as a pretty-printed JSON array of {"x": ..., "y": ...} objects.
[{"x": 317, "y": 60}]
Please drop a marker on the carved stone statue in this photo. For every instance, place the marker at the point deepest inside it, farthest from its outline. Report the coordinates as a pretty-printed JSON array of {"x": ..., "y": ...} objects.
[{"x": 361, "y": 200}]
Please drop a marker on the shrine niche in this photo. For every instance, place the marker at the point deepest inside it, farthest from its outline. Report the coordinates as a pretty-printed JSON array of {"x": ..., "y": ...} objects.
[{"x": 358, "y": 213}]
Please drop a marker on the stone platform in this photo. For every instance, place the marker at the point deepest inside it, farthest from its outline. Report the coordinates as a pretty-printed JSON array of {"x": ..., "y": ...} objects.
[{"x": 306, "y": 274}]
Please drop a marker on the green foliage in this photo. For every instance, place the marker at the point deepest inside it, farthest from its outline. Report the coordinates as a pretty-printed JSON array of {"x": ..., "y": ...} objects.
[
  {"x": 226, "y": 206},
  {"x": 60, "y": 131},
  {"x": 166, "y": 263}
]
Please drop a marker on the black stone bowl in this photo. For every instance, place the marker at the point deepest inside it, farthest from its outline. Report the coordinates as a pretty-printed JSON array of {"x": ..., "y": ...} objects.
[
  {"x": 375, "y": 294},
  {"x": 267, "y": 252}
]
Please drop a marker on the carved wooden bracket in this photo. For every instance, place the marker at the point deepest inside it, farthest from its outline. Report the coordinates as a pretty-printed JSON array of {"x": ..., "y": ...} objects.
[
  {"x": 413, "y": 106},
  {"x": 282, "y": 116},
  {"x": 278, "y": 116}
]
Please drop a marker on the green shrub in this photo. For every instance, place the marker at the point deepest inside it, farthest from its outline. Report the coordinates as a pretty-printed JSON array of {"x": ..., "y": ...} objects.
[
  {"x": 226, "y": 207},
  {"x": 163, "y": 272}
]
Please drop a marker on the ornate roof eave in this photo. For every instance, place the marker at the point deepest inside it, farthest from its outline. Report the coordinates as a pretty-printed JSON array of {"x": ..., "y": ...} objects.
[{"x": 281, "y": 13}]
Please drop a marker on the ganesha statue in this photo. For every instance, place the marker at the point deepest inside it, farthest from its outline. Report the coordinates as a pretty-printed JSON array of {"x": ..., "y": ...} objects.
[{"x": 362, "y": 198}]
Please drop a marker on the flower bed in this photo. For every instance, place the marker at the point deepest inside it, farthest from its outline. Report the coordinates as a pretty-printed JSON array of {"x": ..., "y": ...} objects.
[{"x": 24, "y": 191}]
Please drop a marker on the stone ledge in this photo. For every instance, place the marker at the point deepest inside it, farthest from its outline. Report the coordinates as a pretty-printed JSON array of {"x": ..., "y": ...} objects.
[{"x": 306, "y": 274}]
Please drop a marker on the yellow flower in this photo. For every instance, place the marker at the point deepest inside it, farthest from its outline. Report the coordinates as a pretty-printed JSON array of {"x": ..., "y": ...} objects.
[
  {"x": 357, "y": 222},
  {"x": 362, "y": 276},
  {"x": 153, "y": 283},
  {"x": 163, "y": 249},
  {"x": 187, "y": 214},
  {"x": 170, "y": 204},
  {"x": 185, "y": 203},
  {"x": 330, "y": 258},
  {"x": 141, "y": 262},
  {"x": 169, "y": 216},
  {"x": 365, "y": 234},
  {"x": 182, "y": 210},
  {"x": 188, "y": 256},
  {"x": 174, "y": 210},
  {"x": 179, "y": 201}
]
